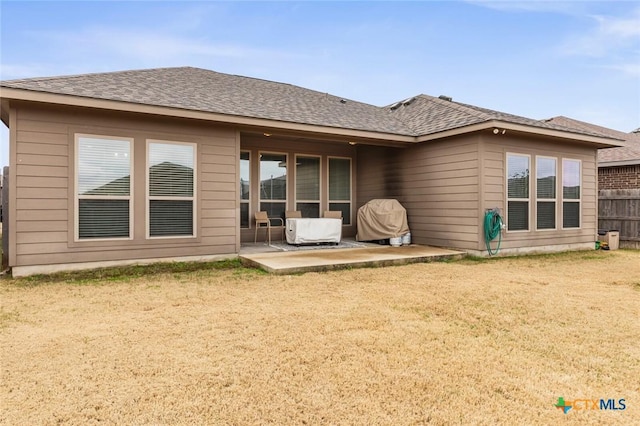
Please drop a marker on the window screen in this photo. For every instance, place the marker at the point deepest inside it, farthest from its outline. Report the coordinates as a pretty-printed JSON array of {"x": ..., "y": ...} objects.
[
  {"x": 273, "y": 185},
  {"x": 517, "y": 192},
  {"x": 245, "y": 168},
  {"x": 340, "y": 187},
  {"x": 571, "y": 193},
  {"x": 103, "y": 187},
  {"x": 171, "y": 189},
  {"x": 308, "y": 186},
  {"x": 546, "y": 193}
]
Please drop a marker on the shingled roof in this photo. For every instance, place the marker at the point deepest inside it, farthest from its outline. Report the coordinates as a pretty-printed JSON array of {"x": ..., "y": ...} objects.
[
  {"x": 427, "y": 115},
  {"x": 202, "y": 90},
  {"x": 628, "y": 154},
  {"x": 209, "y": 91}
]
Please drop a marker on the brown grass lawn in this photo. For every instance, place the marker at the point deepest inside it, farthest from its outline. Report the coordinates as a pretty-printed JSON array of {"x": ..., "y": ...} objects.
[{"x": 466, "y": 342}]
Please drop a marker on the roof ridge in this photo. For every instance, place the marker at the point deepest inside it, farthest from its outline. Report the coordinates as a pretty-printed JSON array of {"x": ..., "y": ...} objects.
[
  {"x": 448, "y": 103},
  {"x": 600, "y": 127},
  {"x": 461, "y": 107},
  {"x": 204, "y": 70},
  {"x": 245, "y": 77},
  {"x": 575, "y": 124},
  {"x": 71, "y": 76}
]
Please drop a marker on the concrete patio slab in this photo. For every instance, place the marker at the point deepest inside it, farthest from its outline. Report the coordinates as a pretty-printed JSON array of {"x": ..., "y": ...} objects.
[{"x": 329, "y": 259}]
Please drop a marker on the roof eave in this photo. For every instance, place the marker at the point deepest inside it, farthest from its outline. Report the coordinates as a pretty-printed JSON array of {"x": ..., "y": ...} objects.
[
  {"x": 599, "y": 142},
  {"x": 80, "y": 101},
  {"x": 4, "y": 111},
  {"x": 632, "y": 162}
]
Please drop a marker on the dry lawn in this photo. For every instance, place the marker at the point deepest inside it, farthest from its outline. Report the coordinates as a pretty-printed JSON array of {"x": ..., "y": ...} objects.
[{"x": 467, "y": 342}]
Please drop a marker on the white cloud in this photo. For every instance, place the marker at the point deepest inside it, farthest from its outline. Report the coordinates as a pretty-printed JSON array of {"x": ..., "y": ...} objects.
[
  {"x": 605, "y": 35},
  {"x": 148, "y": 44},
  {"x": 632, "y": 69},
  {"x": 528, "y": 6},
  {"x": 621, "y": 27},
  {"x": 610, "y": 34}
]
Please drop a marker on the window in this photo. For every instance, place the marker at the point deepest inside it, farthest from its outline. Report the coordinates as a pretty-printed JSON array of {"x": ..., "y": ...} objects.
[
  {"x": 245, "y": 167},
  {"x": 571, "y": 178},
  {"x": 273, "y": 185},
  {"x": 308, "y": 186},
  {"x": 171, "y": 189},
  {"x": 340, "y": 187},
  {"x": 103, "y": 187},
  {"x": 545, "y": 193},
  {"x": 518, "y": 192}
]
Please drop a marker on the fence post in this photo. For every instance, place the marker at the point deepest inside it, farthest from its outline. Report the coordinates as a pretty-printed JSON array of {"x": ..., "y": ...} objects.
[{"x": 4, "y": 197}]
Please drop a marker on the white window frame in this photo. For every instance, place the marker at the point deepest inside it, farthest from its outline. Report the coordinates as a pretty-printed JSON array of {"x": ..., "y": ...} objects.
[
  {"x": 506, "y": 191},
  {"x": 295, "y": 184},
  {"x": 288, "y": 174},
  {"x": 571, "y": 200},
  {"x": 78, "y": 197},
  {"x": 193, "y": 197},
  {"x": 329, "y": 200},
  {"x": 546, "y": 200},
  {"x": 247, "y": 201}
]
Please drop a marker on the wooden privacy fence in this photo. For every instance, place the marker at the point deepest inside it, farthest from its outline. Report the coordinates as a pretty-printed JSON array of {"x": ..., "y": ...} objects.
[{"x": 619, "y": 209}]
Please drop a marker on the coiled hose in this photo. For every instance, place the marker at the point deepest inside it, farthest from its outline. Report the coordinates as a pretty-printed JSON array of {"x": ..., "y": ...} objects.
[{"x": 492, "y": 229}]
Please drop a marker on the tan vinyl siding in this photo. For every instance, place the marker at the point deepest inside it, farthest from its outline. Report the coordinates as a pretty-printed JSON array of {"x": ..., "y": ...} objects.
[
  {"x": 379, "y": 173},
  {"x": 447, "y": 185},
  {"x": 114, "y": 254},
  {"x": 494, "y": 149},
  {"x": 43, "y": 170},
  {"x": 440, "y": 192},
  {"x": 40, "y": 170}
]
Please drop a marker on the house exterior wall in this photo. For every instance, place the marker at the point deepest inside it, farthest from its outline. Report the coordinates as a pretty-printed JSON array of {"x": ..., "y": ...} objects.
[
  {"x": 436, "y": 182},
  {"x": 42, "y": 164},
  {"x": 619, "y": 177},
  {"x": 379, "y": 173},
  {"x": 447, "y": 186},
  {"x": 255, "y": 144},
  {"x": 493, "y": 151},
  {"x": 440, "y": 190}
]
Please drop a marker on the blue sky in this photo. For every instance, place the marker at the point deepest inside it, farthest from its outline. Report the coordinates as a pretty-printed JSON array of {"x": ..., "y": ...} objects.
[{"x": 538, "y": 59}]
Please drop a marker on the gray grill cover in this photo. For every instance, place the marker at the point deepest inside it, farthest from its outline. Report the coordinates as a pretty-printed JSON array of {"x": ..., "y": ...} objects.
[{"x": 381, "y": 219}]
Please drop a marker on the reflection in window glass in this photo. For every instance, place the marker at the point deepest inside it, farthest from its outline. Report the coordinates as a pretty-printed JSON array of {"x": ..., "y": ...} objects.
[
  {"x": 340, "y": 187},
  {"x": 171, "y": 189},
  {"x": 308, "y": 186},
  {"x": 546, "y": 177},
  {"x": 273, "y": 184},
  {"x": 546, "y": 193},
  {"x": 571, "y": 179},
  {"x": 518, "y": 176},
  {"x": 571, "y": 189},
  {"x": 245, "y": 167},
  {"x": 517, "y": 192},
  {"x": 103, "y": 168}
]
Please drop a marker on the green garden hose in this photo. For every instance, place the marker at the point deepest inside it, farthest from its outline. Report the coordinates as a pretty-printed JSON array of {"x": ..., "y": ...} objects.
[{"x": 492, "y": 229}]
